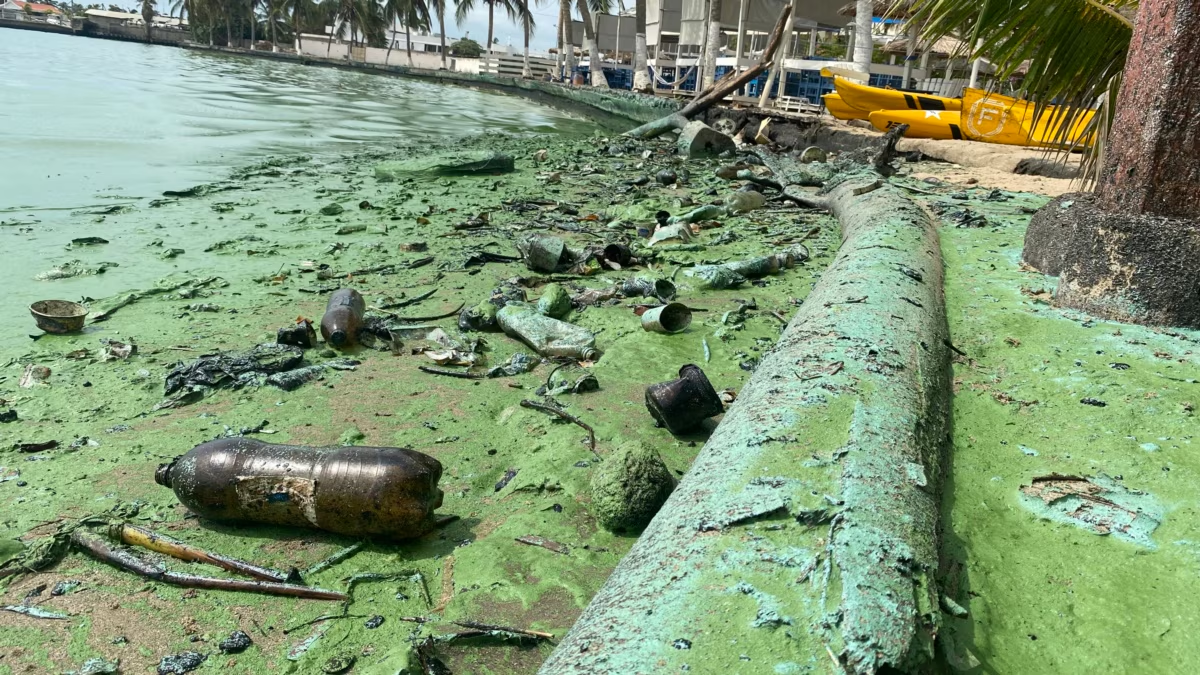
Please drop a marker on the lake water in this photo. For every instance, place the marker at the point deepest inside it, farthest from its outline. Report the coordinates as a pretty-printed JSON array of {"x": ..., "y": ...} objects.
[
  {"x": 87, "y": 122},
  {"x": 81, "y": 116}
]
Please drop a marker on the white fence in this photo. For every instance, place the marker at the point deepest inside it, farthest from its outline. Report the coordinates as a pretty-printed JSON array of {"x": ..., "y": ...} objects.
[
  {"x": 315, "y": 46},
  {"x": 513, "y": 65}
]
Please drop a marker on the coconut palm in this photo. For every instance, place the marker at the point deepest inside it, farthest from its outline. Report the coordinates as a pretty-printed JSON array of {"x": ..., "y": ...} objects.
[
  {"x": 439, "y": 7},
  {"x": 592, "y": 46},
  {"x": 641, "y": 58},
  {"x": 512, "y": 8},
  {"x": 1075, "y": 49},
  {"x": 147, "y": 16},
  {"x": 527, "y": 26},
  {"x": 412, "y": 14}
]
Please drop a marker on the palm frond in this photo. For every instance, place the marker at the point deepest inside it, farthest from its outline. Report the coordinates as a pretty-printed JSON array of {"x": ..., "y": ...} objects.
[{"x": 1075, "y": 49}]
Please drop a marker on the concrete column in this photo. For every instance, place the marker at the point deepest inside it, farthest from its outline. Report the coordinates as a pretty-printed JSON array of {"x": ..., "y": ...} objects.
[
  {"x": 850, "y": 40},
  {"x": 812, "y": 42}
]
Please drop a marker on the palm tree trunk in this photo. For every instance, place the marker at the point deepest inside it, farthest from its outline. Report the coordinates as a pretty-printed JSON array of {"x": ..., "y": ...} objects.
[
  {"x": 442, "y": 32},
  {"x": 641, "y": 72},
  {"x": 526, "y": 71},
  {"x": 253, "y": 22},
  {"x": 568, "y": 44},
  {"x": 387, "y": 59},
  {"x": 491, "y": 25},
  {"x": 712, "y": 45},
  {"x": 864, "y": 46},
  {"x": 596, "y": 69},
  {"x": 408, "y": 43},
  {"x": 228, "y": 30}
]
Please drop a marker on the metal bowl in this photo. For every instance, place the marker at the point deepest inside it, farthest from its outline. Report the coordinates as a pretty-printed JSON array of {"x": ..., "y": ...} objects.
[{"x": 58, "y": 316}]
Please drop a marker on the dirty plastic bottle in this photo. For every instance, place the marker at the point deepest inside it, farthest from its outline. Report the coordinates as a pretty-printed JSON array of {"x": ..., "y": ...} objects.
[
  {"x": 343, "y": 317},
  {"x": 548, "y": 337},
  {"x": 356, "y": 491}
]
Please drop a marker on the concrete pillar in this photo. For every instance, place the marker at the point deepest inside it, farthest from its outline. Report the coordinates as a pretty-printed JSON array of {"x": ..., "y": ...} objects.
[
  {"x": 850, "y": 39},
  {"x": 812, "y": 42}
]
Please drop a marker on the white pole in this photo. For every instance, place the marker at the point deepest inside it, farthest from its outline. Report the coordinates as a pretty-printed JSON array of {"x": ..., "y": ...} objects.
[
  {"x": 975, "y": 65},
  {"x": 812, "y": 42}
]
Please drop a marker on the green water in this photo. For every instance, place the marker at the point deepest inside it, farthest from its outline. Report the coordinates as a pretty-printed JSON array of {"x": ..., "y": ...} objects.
[{"x": 87, "y": 122}]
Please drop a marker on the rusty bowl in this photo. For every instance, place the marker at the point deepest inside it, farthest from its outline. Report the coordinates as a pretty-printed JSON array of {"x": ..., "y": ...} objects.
[{"x": 58, "y": 316}]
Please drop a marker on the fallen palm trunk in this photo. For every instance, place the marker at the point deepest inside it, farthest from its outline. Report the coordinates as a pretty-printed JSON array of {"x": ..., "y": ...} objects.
[{"x": 806, "y": 530}]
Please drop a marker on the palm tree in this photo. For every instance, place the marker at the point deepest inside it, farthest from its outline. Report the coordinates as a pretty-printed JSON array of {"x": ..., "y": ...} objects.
[
  {"x": 592, "y": 46},
  {"x": 510, "y": 7},
  {"x": 253, "y": 21},
  {"x": 864, "y": 44},
  {"x": 413, "y": 14},
  {"x": 527, "y": 26},
  {"x": 712, "y": 44},
  {"x": 641, "y": 58},
  {"x": 439, "y": 6},
  {"x": 148, "y": 16}
]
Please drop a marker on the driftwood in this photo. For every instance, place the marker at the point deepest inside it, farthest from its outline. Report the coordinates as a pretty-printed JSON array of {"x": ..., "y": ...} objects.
[
  {"x": 807, "y": 527},
  {"x": 719, "y": 90},
  {"x": 98, "y": 548},
  {"x": 137, "y": 536}
]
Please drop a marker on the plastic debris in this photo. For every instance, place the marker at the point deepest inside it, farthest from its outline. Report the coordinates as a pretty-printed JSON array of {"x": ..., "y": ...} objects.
[
  {"x": 546, "y": 336},
  {"x": 192, "y": 381},
  {"x": 357, "y": 491},
  {"x": 517, "y": 364},
  {"x": 343, "y": 318},
  {"x": 299, "y": 334}
]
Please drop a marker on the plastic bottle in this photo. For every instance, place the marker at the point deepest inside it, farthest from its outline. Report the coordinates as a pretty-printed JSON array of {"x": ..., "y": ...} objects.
[
  {"x": 343, "y": 318},
  {"x": 356, "y": 491},
  {"x": 546, "y": 336}
]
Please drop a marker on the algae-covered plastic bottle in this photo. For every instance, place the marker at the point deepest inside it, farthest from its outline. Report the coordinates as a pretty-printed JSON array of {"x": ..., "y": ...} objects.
[
  {"x": 356, "y": 491},
  {"x": 548, "y": 337},
  {"x": 343, "y": 317}
]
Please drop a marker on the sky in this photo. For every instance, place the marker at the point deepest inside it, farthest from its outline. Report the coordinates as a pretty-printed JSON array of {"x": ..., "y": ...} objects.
[{"x": 546, "y": 17}]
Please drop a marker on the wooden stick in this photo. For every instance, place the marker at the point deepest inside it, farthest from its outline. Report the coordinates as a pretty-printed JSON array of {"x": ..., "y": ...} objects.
[
  {"x": 565, "y": 415},
  {"x": 97, "y": 548},
  {"x": 517, "y": 631},
  {"x": 137, "y": 536}
]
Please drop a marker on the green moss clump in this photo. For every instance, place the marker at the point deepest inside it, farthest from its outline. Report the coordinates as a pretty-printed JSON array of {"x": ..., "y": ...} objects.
[
  {"x": 555, "y": 302},
  {"x": 630, "y": 487}
]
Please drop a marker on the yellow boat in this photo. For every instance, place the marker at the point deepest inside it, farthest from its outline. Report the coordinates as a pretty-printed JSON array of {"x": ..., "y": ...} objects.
[
  {"x": 939, "y": 124},
  {"x": 869, "y": 99},
  {"x": 838, "y": 108},
  {"x": 992, "y": 118}
]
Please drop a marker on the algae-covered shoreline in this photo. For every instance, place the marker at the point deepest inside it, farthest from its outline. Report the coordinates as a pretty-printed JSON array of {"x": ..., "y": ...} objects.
[
  {"x": 1024, "y": 592},
  {"x": 272, "y": 241}
]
